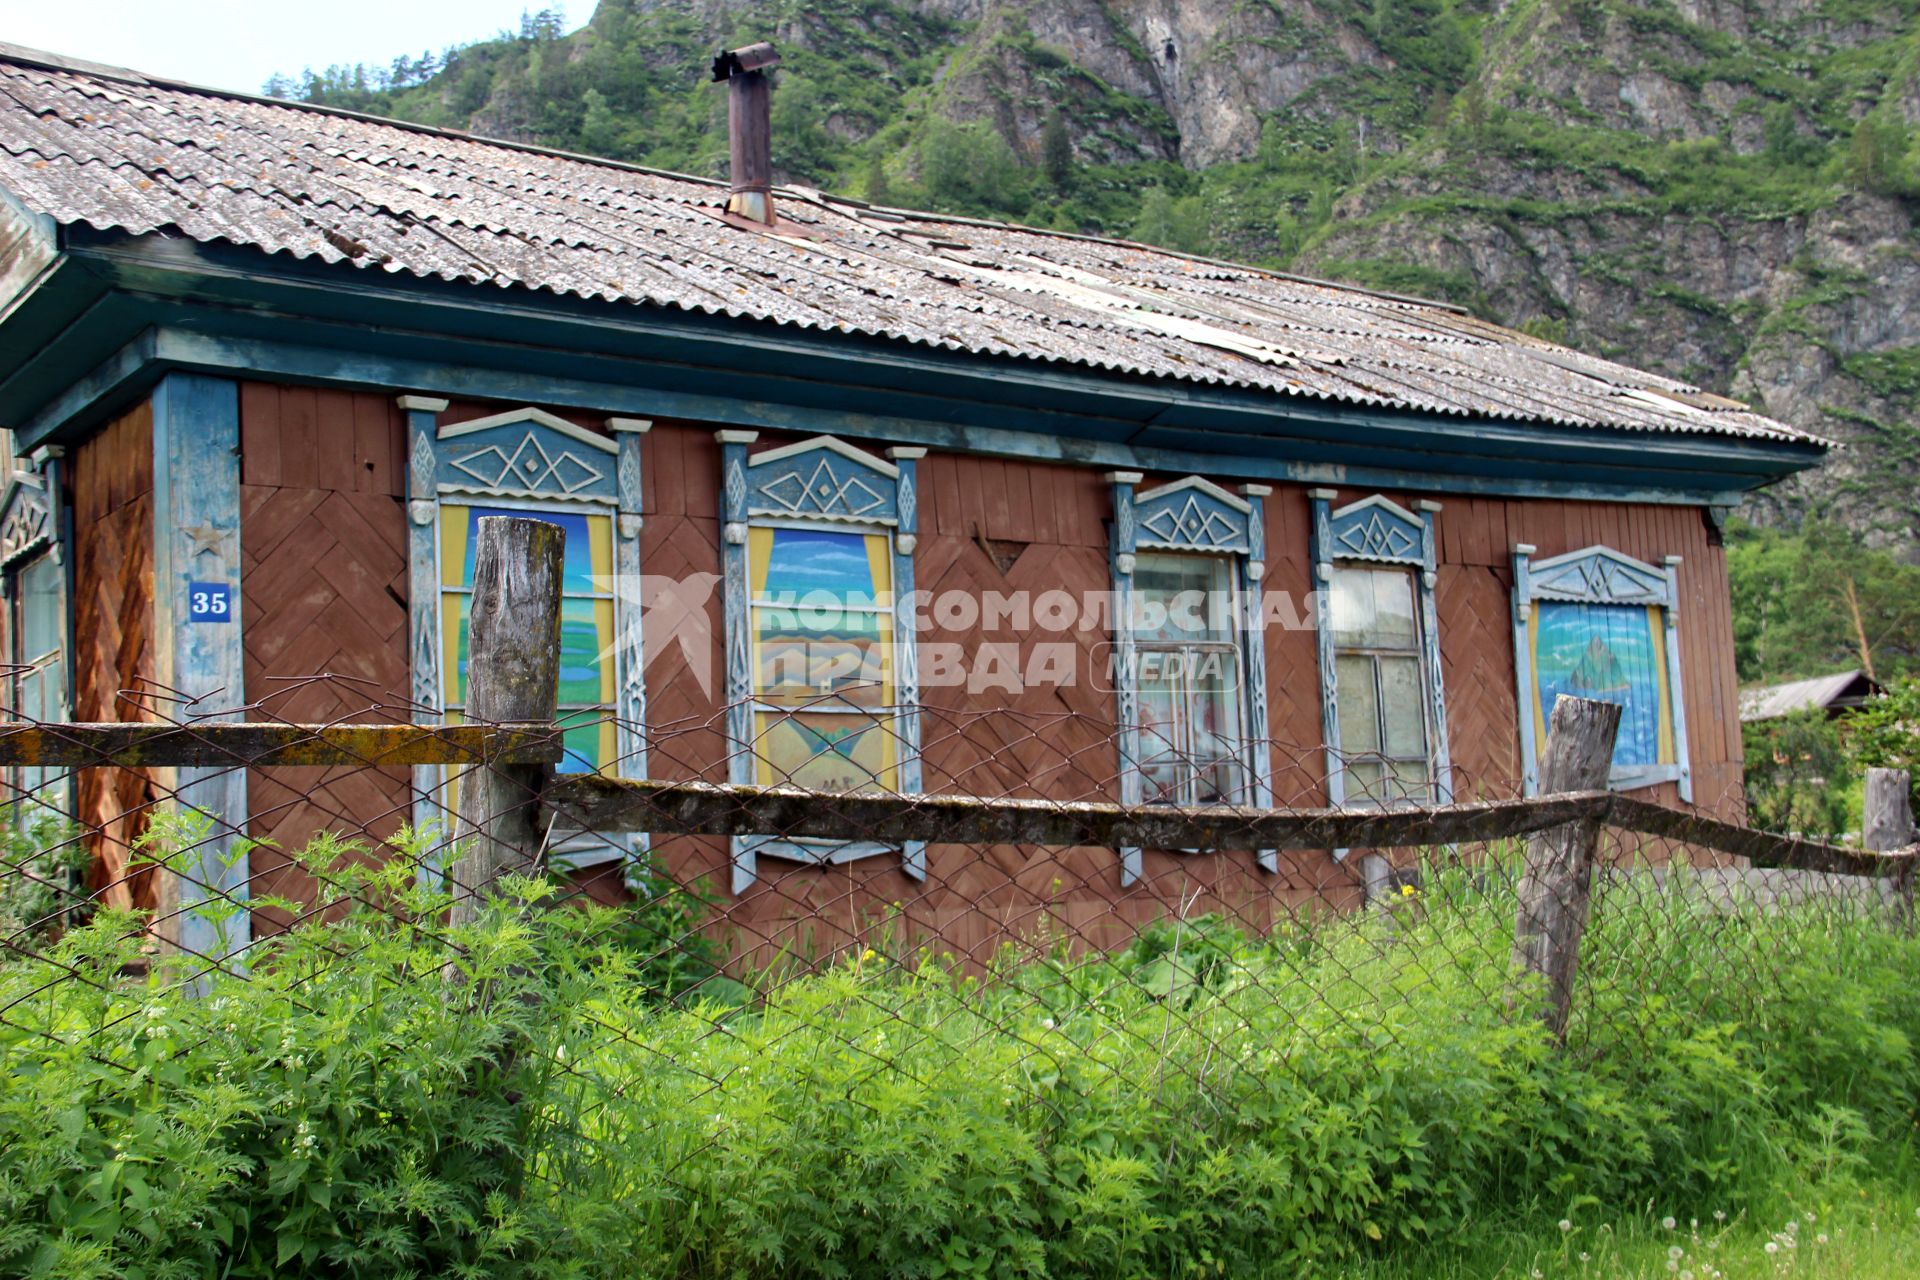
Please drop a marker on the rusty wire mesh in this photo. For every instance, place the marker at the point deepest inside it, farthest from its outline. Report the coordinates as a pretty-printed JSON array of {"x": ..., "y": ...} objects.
[{"x": 1207, "y": 953}]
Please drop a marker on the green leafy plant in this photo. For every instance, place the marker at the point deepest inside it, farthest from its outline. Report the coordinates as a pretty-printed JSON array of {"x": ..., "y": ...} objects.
[
  {"x": 1341, "y": 1092},
  {"x": 1800, "y": 776},
  {"x": 42, "y": 861},
  {"x": 1886, "y": 732}
]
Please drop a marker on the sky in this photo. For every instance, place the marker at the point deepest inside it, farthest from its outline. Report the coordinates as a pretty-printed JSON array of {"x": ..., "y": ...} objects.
[{"x": 238, "y": 44}]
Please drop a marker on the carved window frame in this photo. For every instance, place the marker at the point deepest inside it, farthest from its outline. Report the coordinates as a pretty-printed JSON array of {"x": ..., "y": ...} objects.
[
  {"x": 1600, "y": 575},
  {"x": 32, "y": 526},
  {"x": 1191, "y": 515},
  {"x": 530, "y": 459},
  {"x": 1378, "y": 530},
  {"x": 827, "y": 482}
]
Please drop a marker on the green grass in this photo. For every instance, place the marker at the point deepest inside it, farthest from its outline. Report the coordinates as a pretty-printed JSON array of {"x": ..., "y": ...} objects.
[
  {"x": 1835, "y": 1229},
  {"x": 1365, "y": 1096}
]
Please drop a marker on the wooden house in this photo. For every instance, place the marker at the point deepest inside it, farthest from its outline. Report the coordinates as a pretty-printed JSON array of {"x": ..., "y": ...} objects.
[
  {"x": 264, "y": 365},
  {"x": 1834, "y": 696}
]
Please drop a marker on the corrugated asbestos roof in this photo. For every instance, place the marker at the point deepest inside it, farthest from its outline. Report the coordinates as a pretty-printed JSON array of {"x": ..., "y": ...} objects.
[{"x": 116, "y": 150}]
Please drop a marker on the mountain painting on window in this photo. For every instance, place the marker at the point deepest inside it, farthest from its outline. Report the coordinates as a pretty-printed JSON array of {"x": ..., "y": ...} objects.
[{"x": 1610, "y": 653}]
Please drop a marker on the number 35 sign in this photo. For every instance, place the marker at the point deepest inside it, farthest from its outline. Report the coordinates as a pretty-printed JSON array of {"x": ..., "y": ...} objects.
[{"x": 209, "y": 602}]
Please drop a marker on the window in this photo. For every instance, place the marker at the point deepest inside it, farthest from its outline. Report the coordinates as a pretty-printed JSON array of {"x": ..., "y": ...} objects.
[
  {"x": 823, "y": 686},
  {"x": 1599, "y": 624},
  {"x": 586, "y": 703},
  {"x": 1189, "y": 667},
  {"x": 35, "y": 585},
  {"x": 1379, "y": 686},
  {"x": 1382, "y": 707},
  {"x": 822, "y": 689},
  {"x": 1188, "y": 659},
  {"x": 527, "y": 462}
]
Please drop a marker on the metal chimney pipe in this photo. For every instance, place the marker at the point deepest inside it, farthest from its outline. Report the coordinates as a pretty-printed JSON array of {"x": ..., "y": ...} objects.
[{"x": 749, "y": 128}]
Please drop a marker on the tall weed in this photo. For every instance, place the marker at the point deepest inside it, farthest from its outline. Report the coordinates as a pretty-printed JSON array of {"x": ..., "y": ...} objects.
[{"x": 1203, "y": 1103}]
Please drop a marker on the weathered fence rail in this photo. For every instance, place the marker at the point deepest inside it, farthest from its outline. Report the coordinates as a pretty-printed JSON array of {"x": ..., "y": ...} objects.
[
  {"x": 210, "y": 744},
  {"x": 701, "y": 808}
]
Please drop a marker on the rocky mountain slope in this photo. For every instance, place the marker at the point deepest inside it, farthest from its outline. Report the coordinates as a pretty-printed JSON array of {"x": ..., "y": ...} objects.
[{"x": 1722, "y": 190}]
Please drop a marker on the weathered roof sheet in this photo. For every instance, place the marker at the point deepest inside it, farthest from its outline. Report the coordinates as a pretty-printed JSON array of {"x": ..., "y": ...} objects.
[
  {"x": 1770, "y": 702},
  {"x": 117, "y": 150}
]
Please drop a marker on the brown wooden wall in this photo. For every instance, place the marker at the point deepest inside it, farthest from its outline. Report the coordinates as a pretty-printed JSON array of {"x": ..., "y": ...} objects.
[
  {"x": 110, "y": 493},
  {"x": 323, "y": 562},
  {"x": 324, "y": 543}
]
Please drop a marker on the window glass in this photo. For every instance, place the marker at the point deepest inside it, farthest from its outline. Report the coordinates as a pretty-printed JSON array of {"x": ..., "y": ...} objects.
[
  {"x": 1380, "y": 685},
  {"x": 587, "y": 663},
  {"x": 1403, "y": 720},
  {"x": 39, "y": 685},
  {"x": 1182, "y": 598},
  {"x": 1373, "y": 608},
  {"x": 1187, "y": 679},
  {"x": 1359, "y": 703},
  {"x": 1612, "y": 653},
  {"x": 821, "y": 601},
  {"x": 40, "y": 610}
]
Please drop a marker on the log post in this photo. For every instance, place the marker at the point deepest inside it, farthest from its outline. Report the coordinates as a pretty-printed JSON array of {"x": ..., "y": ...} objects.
[
  {"x": 1555, "y": 890},
  {"x": 1887, "y": 825},
  {"x": 513, "y": 671}
]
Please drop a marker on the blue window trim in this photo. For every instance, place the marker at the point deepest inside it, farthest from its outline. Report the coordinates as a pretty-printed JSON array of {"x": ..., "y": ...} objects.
[
  {"x": 527, "y": 457},
  {"x": 828, "y": 480},
  {"x": 1191, "y": 515},
  {"x": 1378, "y": 530},
  {"x": 1599, "y": 575}
]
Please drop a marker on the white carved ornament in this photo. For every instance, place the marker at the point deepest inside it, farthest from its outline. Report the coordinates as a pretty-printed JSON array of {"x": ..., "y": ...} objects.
[
  {"x": 1603, "y": 579},
  {"x": 26, "y": 524},
  {"x": 528, "y": 466},
  {"x": 1192, "y": 525},
  {"x": 1378, "y": 537},
  {"x": 822, "y": 493}
]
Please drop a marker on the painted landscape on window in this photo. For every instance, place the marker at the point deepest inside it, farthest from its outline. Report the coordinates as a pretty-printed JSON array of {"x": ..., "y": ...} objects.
[
  {"x": 1611, "y": 653},
  {"x": 823, "y": 641},
  {"x": 820, "y": 627},
  {"x": 586, "y": 686}
]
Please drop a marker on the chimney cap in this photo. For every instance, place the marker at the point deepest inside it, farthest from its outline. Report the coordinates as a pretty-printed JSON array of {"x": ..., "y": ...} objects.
[{"x": 732, "y": 62}]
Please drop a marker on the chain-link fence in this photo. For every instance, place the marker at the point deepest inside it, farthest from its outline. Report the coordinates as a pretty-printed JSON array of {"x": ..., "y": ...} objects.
[{"x": 1006, "y": 920}]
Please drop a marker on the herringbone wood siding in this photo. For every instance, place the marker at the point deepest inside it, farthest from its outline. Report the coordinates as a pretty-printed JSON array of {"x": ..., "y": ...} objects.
[
  {"x": 110, "y": 489},
  {"x": 323, "y": 544},
  {"x": 323, "y": 548}
]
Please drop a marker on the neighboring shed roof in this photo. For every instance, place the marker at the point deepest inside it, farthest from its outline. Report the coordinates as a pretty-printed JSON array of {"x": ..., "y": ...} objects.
[
  {"x": 113, "y": 149},
  {"x": 1839, "y": 692}
]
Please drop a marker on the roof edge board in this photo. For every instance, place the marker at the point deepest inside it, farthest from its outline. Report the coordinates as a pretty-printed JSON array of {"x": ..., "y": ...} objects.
[
  {"x": 1166, "y": 403},
  {"x": 156, "y": 351}
]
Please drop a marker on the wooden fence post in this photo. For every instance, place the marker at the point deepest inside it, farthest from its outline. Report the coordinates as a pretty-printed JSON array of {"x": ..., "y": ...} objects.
[
  {"x": 1887, "y": 824},
  {"x": 513, "y": 673},
  {"x": 1556, "y": 889}
]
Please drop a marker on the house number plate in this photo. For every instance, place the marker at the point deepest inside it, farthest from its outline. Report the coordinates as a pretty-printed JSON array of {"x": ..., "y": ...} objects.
[{"x": 209, "y": 602}]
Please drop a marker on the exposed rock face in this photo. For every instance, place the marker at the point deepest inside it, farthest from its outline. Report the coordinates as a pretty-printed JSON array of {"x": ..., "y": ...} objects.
[
  {"x": 1216, "y": 69},
  {"x": 1805, "y": 302}
]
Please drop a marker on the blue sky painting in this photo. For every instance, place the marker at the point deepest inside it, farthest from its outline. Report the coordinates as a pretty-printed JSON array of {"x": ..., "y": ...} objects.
[{"x": 1605, "y": 652}]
